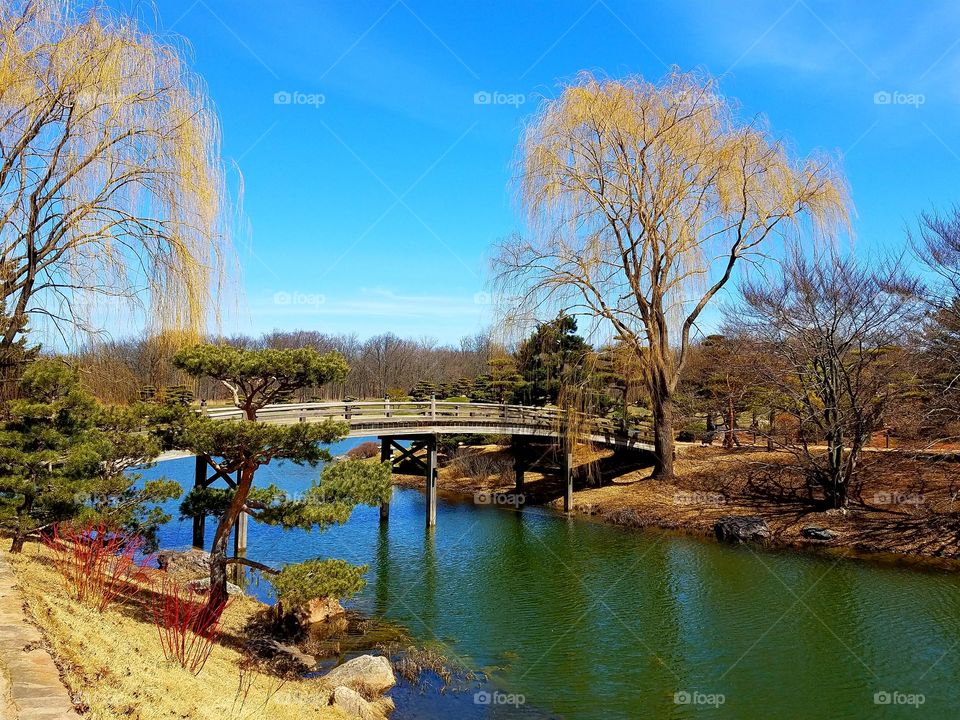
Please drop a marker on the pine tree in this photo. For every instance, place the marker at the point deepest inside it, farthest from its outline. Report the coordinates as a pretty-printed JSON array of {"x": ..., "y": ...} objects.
[
  {"x": 257, "y": 378},
  {"x": 64, "y": 457}
]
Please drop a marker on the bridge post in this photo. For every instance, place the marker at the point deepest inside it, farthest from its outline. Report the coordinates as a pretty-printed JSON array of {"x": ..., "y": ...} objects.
[
  {"x": 566, "y": 448},
  {"x": 519, "y": 461},
  {"x": 240, "y": 535},
  {"x": 200, "y": 481},
  {"x": 431, "y": 483},
  {"x": 386, "y": 455},
  {"x": 433, "y": 407}
]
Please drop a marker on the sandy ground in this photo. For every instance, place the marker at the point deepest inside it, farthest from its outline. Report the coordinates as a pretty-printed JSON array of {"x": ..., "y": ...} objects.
[{"x": 908, "y": 503}]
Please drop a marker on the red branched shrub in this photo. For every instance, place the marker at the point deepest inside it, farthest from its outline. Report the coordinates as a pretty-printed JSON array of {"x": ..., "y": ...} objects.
[
  {"x": 98, "y": 564},
  {"x": 187, "y": 627}
]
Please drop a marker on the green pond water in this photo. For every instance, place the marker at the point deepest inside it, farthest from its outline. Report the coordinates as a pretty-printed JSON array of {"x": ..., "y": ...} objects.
[{"x": 573, "y": 619}]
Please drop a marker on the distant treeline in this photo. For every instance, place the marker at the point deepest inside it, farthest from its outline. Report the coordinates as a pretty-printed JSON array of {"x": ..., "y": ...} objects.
[{"x": 121, "y": 371}]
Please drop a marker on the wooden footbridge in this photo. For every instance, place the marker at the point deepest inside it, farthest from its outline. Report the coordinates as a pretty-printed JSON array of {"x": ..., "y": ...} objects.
[{"x": 421, "y": 423}]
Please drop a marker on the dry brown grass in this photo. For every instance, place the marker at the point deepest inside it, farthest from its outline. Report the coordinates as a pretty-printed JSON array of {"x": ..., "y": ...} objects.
[{"x": 113, "y": 664}]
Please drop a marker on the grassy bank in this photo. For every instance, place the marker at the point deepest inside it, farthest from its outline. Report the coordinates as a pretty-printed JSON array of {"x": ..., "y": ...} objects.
[
  {"x": 114, "y": 667},
  {"x": 906, "y": 503}
]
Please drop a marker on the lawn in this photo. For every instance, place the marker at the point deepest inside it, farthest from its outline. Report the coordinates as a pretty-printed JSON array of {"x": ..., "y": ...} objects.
[{"x": 113, "y": 664}]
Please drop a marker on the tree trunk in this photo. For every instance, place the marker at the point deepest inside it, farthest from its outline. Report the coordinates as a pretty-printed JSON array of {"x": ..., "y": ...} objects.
[
  {"x": 771, "y": 419},
  {"x": 218, "y": 551},
  {"x": 20, "y": 534},
  {"x": 731, "y": 422},
  {"x": 663, "y": 437},
  {"x": 836, "y": 493},
  {"x": 17, "y": 545}
]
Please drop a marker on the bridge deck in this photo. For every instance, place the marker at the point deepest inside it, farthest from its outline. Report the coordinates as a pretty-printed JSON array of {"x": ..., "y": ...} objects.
[{"x": 372, "y": 419}]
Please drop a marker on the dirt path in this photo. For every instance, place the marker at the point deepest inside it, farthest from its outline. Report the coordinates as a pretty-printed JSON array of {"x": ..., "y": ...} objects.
[{"x": 30, "y": 685}]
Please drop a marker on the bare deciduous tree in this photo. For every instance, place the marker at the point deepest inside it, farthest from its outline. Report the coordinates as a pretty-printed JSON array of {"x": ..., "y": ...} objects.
[
  {"x": 833, "y": 330},
  {"x": 641, "y": 198},
  {"x": 937, "y": 246}
]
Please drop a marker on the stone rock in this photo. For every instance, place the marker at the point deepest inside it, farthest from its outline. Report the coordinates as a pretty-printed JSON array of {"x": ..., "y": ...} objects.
[
  {"x": 812, "y": 532},
  {"x": 292, "y": 658},
  {"x": 353, "y": 703},
  {"x": 373, "y": 673},
  {"x": 320, "y": 610},
  {"x": 202, "y": 585},
  {"x": 741, "y": 528},
  {"x": 193, "y": 561}
]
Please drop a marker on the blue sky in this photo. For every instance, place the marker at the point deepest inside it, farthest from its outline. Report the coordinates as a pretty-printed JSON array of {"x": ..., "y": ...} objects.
[{"x": 373, "y": 196}]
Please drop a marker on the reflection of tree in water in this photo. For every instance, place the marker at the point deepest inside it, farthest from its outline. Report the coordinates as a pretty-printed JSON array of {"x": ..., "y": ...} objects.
[{"x": 381, "y": 588}]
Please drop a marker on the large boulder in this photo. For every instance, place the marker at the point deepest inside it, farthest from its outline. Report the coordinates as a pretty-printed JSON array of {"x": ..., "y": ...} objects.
[
  {"x": 285, "y": 659},
  {"x": 741, "y": 528},
  {"x": 202, "y": 585},
  {"x": 192, "y": 562},
  {"x": 812, "y": 532},
  {"x": 354, "y": 704},
  {"x": 367, "y": 672},
  {"x": 319, "y": 610}
]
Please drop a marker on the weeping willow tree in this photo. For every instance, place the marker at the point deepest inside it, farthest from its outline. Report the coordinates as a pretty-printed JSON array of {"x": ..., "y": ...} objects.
[
  {"x": 640, "y": 199},
  {"x": 112, "y": 191}
]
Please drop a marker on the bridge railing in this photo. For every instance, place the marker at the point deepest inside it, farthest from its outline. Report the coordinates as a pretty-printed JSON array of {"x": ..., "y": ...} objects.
[{"x": 389, "y": 413}]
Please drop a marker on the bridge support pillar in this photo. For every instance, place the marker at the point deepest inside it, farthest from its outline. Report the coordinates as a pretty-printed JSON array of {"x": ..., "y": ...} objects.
[
  {"x": 520, "y": 461},
  {"x": 240, "y": 535},
  {"x": 386, "y": 456},
  {"x": 566, "y": 465},
  {"x": 432, "y": 482}
]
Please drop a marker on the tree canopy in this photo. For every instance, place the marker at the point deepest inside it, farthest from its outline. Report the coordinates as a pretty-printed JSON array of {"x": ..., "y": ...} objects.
[
  {"x": 111, "y": 183},
  {"x": 257, "y": 378}
]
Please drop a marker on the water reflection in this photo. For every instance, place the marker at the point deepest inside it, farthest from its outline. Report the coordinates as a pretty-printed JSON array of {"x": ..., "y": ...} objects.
[{"x": 589, "y": 621}]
